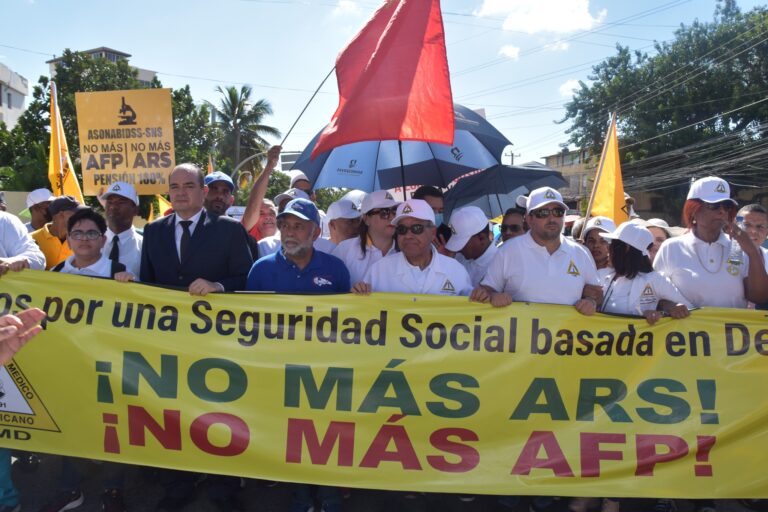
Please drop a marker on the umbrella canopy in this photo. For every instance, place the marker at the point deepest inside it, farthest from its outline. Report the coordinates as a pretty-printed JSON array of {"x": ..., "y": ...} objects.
[
  {"x": 495, "y": 189},
  {"x": 375, "y": 165}
]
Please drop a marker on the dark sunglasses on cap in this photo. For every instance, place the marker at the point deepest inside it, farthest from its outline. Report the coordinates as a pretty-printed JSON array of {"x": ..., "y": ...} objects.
[
  {"x": 543, "y": 213},
  {"x": 512, "y": 228},
  {"x": 727, "y": 205},
  {"x": 384, "y": 213},
  {"x": 416, "y": 229}
]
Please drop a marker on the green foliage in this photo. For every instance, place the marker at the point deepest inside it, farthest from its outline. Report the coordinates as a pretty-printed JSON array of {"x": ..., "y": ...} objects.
[
  {"x": 194, "y": 136},
  {"x": 710, "y": 68},
  {"x": 241, "y": 126}
]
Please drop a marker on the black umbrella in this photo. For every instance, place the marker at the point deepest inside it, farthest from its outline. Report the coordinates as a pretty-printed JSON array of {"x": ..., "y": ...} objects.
[
  {"x": 375, "y": 165},
  {"x": 495, "y": 189}
]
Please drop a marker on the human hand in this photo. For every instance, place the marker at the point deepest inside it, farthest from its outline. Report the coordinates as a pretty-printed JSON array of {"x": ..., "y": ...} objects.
[{"x": 17, "y": 330}]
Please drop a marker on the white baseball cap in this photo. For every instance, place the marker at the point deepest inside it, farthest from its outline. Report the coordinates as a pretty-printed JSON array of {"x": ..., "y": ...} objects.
[
  {"x": 602, "y": 223},
  {"x": 342, "y": 209},
  {"x": 297, "y": 176},
  {"x": 378, "y": 199},
  {"x": 291, "y": 193},
  {"x": 416, "y": 208},
  {"x": 123, "y": 189},
  {"x": 711, "y": 190},
  {"x": 543, "y": 196},
  {"x": 465, "y": 223},
  {"x": 39, "y": 195},
  {"x": 633, "y": 234}
]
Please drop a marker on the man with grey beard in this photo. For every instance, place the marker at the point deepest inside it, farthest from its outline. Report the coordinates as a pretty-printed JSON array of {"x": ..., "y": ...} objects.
[{"x": 298, "y": 267}]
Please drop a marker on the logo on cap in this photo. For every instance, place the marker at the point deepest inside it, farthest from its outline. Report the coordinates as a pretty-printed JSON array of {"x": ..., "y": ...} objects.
[
  {"x": 648, "y": 290},
  {"x": 448, "y": 286},
  {"x": 407, "y": 209},
  {"x": 720, "y": 188},
  {"x": 550, "y": 195},
  {"x": 598, "y": 222},
  {"x": 453, "y": 229},
  {"x": 116, "y": 187},
  {"x": 573, "y": 269},
  {"x": 389, "y": 196}
]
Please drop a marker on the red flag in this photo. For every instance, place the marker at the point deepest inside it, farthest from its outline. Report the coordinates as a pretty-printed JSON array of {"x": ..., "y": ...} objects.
[{"x": 393, "y": 79}]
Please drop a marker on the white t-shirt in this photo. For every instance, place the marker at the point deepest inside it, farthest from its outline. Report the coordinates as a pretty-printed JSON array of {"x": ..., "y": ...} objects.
[
  {"x": 478, "y": 267},
  {"x": 704, "y": 273},
  {"x": 526, "y": 271},
  {"x": 443, "y": 276},
  {"x": 635, "y": 296},
  {"x": 102, "y": 268},
  {"x": 15, "y": 241},
  {"x": 358, "y": 263}
]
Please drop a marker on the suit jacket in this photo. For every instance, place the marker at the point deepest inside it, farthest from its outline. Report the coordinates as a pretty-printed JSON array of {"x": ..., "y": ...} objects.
[{"x": 218, "y": 251}]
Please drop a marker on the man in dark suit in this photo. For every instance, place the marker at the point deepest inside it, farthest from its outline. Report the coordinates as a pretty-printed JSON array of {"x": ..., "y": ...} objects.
[
  {"x": 204, "y": 253},
  {"x": 192, "y": 248}
]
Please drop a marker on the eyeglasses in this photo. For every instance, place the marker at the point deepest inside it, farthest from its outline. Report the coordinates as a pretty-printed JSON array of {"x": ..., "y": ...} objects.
[
  {"x": 91, "y": 234},
  {"x": 384, "y": 213},
  {"x": 416, "y": 229},
  {"x": 543, "y": 213},
  {"x": 727, "y": 205},
  {"x": 512, "y": 228}
]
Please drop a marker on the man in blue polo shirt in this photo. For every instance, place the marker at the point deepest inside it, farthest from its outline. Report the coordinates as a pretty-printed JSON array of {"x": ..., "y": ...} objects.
[{"x": 297, "y": 267}]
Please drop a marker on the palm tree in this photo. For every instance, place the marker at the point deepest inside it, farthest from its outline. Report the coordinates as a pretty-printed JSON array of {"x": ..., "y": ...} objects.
[{"x": 240, "y": 122}]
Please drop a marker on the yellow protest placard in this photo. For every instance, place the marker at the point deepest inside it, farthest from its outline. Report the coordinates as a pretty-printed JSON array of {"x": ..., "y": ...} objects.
[
  {"x": 391, "y": 391},
  {"x": 126, "y": 136}
]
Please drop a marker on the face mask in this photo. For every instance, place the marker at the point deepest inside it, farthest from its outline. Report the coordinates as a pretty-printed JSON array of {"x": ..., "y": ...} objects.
[{"x": 438, "y": 219}]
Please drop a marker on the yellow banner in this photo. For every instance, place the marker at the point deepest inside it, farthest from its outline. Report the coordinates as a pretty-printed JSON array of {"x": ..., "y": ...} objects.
[
  {"x": 391, "y": 391},
  {"x": 126, "y": 136}
]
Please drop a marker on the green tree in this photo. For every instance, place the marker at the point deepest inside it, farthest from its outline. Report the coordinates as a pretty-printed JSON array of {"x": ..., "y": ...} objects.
[
  {"x": 194, "y": 135},
  {"x": 241, "y": 127},
  {"x": 708, "y": 70}
]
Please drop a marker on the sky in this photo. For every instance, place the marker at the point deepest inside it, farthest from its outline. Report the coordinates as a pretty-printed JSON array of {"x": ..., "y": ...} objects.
[{"x": 517, "y": 59}]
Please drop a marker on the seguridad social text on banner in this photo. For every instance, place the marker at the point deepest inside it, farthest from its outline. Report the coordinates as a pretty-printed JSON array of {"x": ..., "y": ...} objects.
[
  {"x": 126, "y": 136},
  {"x": 391, "y": 391}
]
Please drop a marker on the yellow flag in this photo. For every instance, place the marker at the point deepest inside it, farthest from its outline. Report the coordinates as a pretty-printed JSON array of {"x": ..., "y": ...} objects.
[
  {"x": 210, "y": 164},
  {"x": 162, "y": 206},
  {"x": 608, "y": 191},
  {"x": 60, "y": 172}
]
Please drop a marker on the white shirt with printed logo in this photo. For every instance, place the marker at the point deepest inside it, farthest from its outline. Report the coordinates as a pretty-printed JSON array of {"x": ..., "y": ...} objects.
[
  {"x": 642, "y": 293},
  {"x": 704, "y": 272},
  {"x": 357, "y": 263},
  {"x": 443, "y": 276},
  {"x": 479, "y": 266},
  {"x": 526, "y": 271}
]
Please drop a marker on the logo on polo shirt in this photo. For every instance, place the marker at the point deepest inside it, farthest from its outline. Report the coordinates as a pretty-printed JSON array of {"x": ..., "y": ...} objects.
[
  {"x": 648, "y": 290},
  {"x": 321, "y": 281},
  {"x": 720, "y": 188},
  {"x": 733, "y": 270},
  {"x": 550, "y": 195},
  {"x": 448, "y": 286},
  {"x": 573, "y": 269},
  {"x": 407, "y": 209}
]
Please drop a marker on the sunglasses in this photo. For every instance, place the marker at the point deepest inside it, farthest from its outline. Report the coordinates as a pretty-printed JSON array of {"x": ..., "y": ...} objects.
[
  {"x": 91, "y": 234},
  {"x": 384, "y": 213},
  {"x": 543, "y": 213},
  {"x": 512, "y": 228},
  {"x": 727, "y": 205},
  {"x": 416, "y": 229}
]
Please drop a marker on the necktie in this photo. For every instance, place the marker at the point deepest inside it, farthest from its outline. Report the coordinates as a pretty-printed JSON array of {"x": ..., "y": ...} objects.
[
  {"x": 185, "y": 236},
  {"x": 114, "y": 254}
]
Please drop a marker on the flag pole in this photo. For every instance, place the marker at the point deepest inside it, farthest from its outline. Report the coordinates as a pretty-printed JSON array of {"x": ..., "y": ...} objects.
[
  {"x": 402, "y": 168},
  {"x": 599, "y": 172},
  {"x": 307, "y": 105},
  {"x": 54, "y": 99}
]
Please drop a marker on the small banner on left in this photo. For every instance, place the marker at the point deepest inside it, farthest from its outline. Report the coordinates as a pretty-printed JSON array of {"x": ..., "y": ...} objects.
[{"x": 126, "y": 136}]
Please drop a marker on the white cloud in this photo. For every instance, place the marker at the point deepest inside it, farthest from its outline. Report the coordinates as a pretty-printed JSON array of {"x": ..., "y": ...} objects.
[
  {"x": 568, "y": 88},
  {"x": 557, "y": 46},
  {"x": 535, "y": 16},
  {"x": 513, "y": 52},
  {"x": 344, "y": 7}
]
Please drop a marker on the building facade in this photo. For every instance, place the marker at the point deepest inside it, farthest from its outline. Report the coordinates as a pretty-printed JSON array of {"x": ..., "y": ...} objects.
[
  {"x": 13, "y": 91},
  {"x": 145, "y": 76}
]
